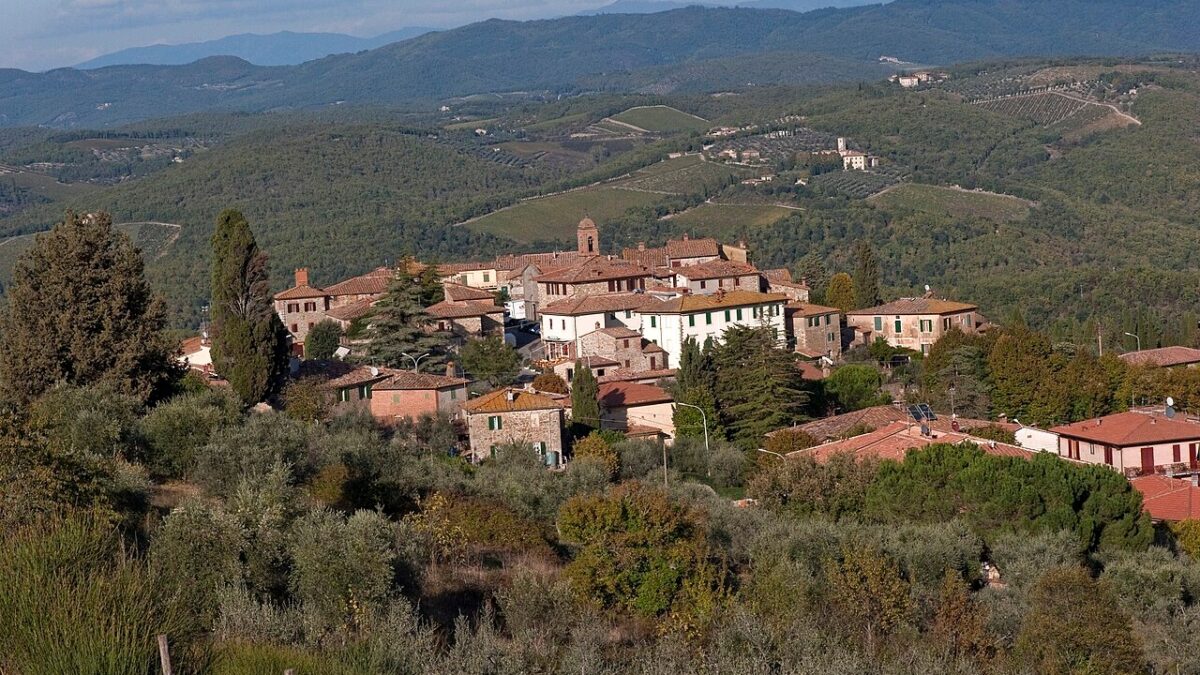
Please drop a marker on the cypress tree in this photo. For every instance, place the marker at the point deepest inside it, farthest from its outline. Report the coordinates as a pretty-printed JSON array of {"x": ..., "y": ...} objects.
[
  {"x": 694, "y": 380},
  {"x": 80, "y": 311},
  {"x": 866, "y": 278},
  {"x": 398, "y": 326},
  {"x": 841, "y": 292},
  {"x": 759, "y": 388},
  {"x": 249, "y": 346},
  {"x": 585, "y": 401}
]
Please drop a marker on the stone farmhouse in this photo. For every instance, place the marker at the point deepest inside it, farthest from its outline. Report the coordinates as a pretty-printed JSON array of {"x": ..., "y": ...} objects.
[
  {"x": 914, "y": 323},
  {"x": 515, "y": 416}
]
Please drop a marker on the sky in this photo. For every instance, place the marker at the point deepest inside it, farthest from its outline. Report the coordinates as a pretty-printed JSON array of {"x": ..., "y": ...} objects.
[{"x": 43, "y": 34}]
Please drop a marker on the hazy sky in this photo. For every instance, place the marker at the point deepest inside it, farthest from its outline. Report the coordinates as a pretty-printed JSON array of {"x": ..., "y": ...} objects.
[{"x": 41, "y": 34}]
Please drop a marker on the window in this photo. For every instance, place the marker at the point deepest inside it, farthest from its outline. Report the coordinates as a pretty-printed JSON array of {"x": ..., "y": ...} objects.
[
  {"x": 926, "y": 325},
  {"x": 629, "y": 314},
  {"x": 654, "y": 322},
  {"x": 946, "y": 323},
  {"x": 720, "y": 283},
  {"x": 1175, "y": 453},
  {"x": 626, "y": 363},
  {"x": 540, "y": 446},
  {"x": 739, "y": 314},
  {"x": 727, "y": 316},
  {"x": 364, "y": 392},
  {"x": 653, "y": 363},
  {"x": 879, "y": 323},
  {"x": 564, "y": 324},
  {"x": 827, "y": 318},
  {"x": 310, "y": 306},
  {"x": 703, "y": 284},
  {"x": 967, "y": 320},
  {"x": 899, "y": 326},
  {"x": 495, "y": 423},
  {"x": 395, "y": 398},
  {"x": 599, "y": 372},
  {"x": 924, "y": 348},
  {"x": 292, "y": 308},
  {"x": 343, "y": 395},
  {"x": 691, "y": 320},
  {"x": 453, "y": 394},
  {"x": 832, "y": 337},
  {"x": 612, "y": 286},
  {"x": 295, "y": 328},
  {"x": 708, "y": 318},
  {"x": 487, "y": 278},
  {"x": 310, "y": 325}
]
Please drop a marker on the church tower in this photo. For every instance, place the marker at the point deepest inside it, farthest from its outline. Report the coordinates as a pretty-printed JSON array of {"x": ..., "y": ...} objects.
[{"x": 589, "y": 237}]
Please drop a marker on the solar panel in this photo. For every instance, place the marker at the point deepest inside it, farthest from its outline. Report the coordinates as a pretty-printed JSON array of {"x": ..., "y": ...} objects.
[
  {"x": 916, "y": 413},
  {"x": 927, "y": 412}
]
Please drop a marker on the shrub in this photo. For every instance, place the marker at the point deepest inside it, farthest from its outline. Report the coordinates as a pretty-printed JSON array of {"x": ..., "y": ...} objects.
[
  {"x": 175, "y": 431},
  {"x": 197, "y": 552},
  {"x": 89, "y": 421},
  {"x": 800, "y": 486},
  {"x": 304, "y": 400},
  {"x": 322, "y": 340},
  {"x": 253, "y": 449},
  {"x": 550, "y": 383},
  {"x": 593, "y": 448},
  {"x": 785, "y": 441}
]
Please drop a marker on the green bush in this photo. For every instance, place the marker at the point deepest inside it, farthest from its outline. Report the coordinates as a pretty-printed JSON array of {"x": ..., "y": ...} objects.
[
  {"x": 253, "y": 449},
  {"x": 176, "y": 430}
]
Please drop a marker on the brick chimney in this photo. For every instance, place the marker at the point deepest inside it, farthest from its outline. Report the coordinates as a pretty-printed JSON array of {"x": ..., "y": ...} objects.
[
  {"x": 641, "y": 246},
  {"x": 301, "y": 276},
  {"x": 451, "y": 371}
]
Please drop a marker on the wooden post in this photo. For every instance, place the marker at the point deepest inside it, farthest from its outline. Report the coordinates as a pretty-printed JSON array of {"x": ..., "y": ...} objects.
[
  {"x": 290, "y": 671},
  {"x": 164, "y": 655}
]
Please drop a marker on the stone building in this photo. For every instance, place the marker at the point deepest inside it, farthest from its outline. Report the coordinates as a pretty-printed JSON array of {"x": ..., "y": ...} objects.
[
  {"x": 515, "y": 416},
  {"x": 409, "y": 395},
  {"x": 816, "y": 330},
  {"x": 301, "y": 307},
  {"x": 914, "y": 323}
]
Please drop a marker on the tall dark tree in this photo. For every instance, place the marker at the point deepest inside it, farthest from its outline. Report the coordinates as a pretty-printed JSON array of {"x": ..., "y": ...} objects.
[
  {"x": 249, "y": 343},
  {"x": 585, "y": 401},
  {"x": 80, "y": 311},
  {"x": 694, "y": 380},
  {"x": 759, "y": 388},
  {"x": 866, "y": 277},
  {"x": 323, "y": 340},
  {"x": 398, "y": 332},
  {"x": 840, "y": 292},
  {"x": 811, "y": 270},
  {"x": 491, "y": 360}
]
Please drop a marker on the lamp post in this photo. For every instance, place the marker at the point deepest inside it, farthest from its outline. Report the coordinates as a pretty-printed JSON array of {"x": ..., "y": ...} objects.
[
  {"x": 415, "y": 359},
  {"x": 1139, "y": 340},
  {"x": 707, "y": 452},
  {"x": 768, "y": 452}
]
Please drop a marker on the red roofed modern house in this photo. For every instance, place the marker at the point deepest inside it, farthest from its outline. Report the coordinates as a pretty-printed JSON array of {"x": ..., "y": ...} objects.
[
  {"x": 1132, "y": 442},
  {"x": 1164, "y": 357},
  {"x": 508, "y": 416},
  {"x": 914, "y": 323},
  {"x": 409, "y": 395},
  {"x": 1168, "y": 499},
  {"x": 629, "y": 405},
  {"x": 895, "y": 440}
]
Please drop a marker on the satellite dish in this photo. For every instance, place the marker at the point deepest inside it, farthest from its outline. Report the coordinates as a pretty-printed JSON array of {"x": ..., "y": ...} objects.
[
  {"x": 1170, "y": 401},
  {"x": 1170, "y": 413},
  {"x": 927, "y": 288}
]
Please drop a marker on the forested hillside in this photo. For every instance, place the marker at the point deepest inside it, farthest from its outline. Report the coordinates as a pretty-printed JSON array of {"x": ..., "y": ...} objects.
[{"x": 686, "y": 46}]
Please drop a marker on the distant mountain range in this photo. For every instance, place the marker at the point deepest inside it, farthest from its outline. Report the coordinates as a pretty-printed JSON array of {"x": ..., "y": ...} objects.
[
  {"x": 652, "y": 6},
  {"x": 612, "y": 51},
  {"x": 276, "y": 49}
]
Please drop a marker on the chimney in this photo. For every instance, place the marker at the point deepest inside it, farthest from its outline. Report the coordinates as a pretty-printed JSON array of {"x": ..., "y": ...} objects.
[
  {"x": 685, "y": 236},
  {"x": 451, "y": 371},
  {"x": 641, "y": 246},
  {"x": 510, "y": 395},
  {"x": 301, "y": 276},
  {"x": 1196, "y": 480}
]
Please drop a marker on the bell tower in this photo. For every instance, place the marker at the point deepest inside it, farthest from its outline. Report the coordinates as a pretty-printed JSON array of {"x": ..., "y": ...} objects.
[{"x": 589, "y": 237}]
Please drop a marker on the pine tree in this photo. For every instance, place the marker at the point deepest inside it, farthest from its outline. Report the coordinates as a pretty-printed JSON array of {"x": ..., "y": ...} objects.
[
  {"x": 398, "y": 332},
  {"x": 866, "y": 278},
  {"x": 759, "y": 388},
  {"x": 323, "y": 340},
  {"x": 80, "y": 311},
  {"x": 585, "y": 401},
  {"x": 694, "y": 380},
  {"x": 841, "y": 292},
  {"x": 249, "y": 343},
  {"x": 1017, "y": 366}
]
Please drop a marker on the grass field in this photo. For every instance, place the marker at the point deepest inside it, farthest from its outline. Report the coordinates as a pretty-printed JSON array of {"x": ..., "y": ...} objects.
[
  {"x": 45, "y": 185},
  {"x": 152, "y": 238},
  {"x": 555, "y": 217},
  {"x": 661, "y": 118},
  {"x": 689, "y": 174},
  {"x": 730, "y": 220},
  {"x": 953, "y": 203},
  {"x": 470, "y": 124}
]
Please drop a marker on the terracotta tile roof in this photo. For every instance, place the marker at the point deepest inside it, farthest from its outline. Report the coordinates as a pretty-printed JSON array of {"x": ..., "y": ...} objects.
[
  {"x": 641, "y": 431},
  {"x": 497, "y": 401},
  {"x": 596, "y": 361},
  {"x": 1130, "y": 429},
  {"x": 301, "y": 292},
  {"x": 620, "y": 332},
  {"x": 407, "y": 379},
  {"x": 626, "y": 394},
  {"x": 339, "y": 374},
  {"x": 809, "y": 309},
  {"x": 447, "y": 269},
  {"x": 810, "y": 371},
  {"x": 460, "y": 293},
  {"x": 778, "y": 274},
  {"x": 594, "y": 269},
  {"x": 679, "y": 249},
  {"x": 1166, "y": 498},
  {"x": 462, "y": 310},
  {"x": 1163, "y": 357},
  {"x": 917, "y": 306},
  {"x": 700, "y": 303},
  {"x": 634, "y": 375},
  {"x": 374, "y": 282},
  {"x": 545, "y": 261},
  {"x": 879, "y": 416},
  {"x": 351, "y": 311},
  {"x": 597, "y": 304},
  {"x": 650, "y": 257},
  {"x": 649, "y": 347},
  {"x": 895, "y": 440},
  {"x": 716, "y": 269},
  {"x": 192, "y": 345}
]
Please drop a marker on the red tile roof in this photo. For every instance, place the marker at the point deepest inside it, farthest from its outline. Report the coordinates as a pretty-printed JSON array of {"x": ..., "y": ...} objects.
[
  {"x": 680, "y": 249},
  {"x": 635, "y": 375},
  {"x": 598, "y": 304},
  {"x": 448, "y": 269},
  {"x": 462, "y": 310},
  {"x": 809, "y": 309},
  {"x": 1163, "y": 357},
  {"x": 339, "y": 374},
  {"x": 620, "y": 332},
  {"x": 192, "y": 345},
  {"x": 905, "y": 306},
  {"x": 351, "y": 311},
  {"x": 895, "y": 440},
  {"x": 545, "y": 261},
  {"x": 700, "y": 303},
  {"x": 301, "y": 292},
  {"x": 716, "y": 269},
  {"x": 374, "y": 282},
  {"x": 461, "y": 293},
  {"x": 596, "y": 361},
  {"x": 810, "y": 371},
  {"x": 650, "y": 257},
  {"x": 627, "y": 394},
  {"x": 1166, "y": 498},
  {"x": 406, "y": 379},
  {"x": 594, "y": 269},
  {"x": 881, "y": 415},
  {"x": 1131, "y": 429},
  {"x": 497, "y": 401},
  {"x": 778, "y": 274}
]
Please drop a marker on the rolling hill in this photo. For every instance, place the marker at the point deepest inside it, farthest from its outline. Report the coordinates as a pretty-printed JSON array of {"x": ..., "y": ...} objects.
[{"x": 558, "y": 54}]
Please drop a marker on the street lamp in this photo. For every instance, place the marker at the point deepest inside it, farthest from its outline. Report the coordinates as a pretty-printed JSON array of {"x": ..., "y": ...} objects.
[
  {"x": 415, "y": 359},
  {"x": 707, "y": 452},
  {"x": 1139, "y": 340},
  {"x": 768, "y": 452}
]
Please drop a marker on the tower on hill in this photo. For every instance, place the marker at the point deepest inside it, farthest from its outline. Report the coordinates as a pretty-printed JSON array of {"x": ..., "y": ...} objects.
[{"x": 589, "y": 237}]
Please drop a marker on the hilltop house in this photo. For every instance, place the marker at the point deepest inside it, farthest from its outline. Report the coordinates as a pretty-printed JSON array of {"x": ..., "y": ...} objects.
[
  {"x": 701, "y": 317},
  {"x": 677, "y": 253},
  {"x": 517, "y": 416},
  {"x": 566, "y": 321},
  {"x": 1132, "y": 442},
  {"x": 467, "y": 313},
  {"x": 640, "y": 410},
  {"x": 914, "y": 323},
  {"x": 716, "y": 275},
  {"x": 1164, "y": 357},
  {"x": 301, "y": 307},
  {"x": 816, "y": 330}
]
